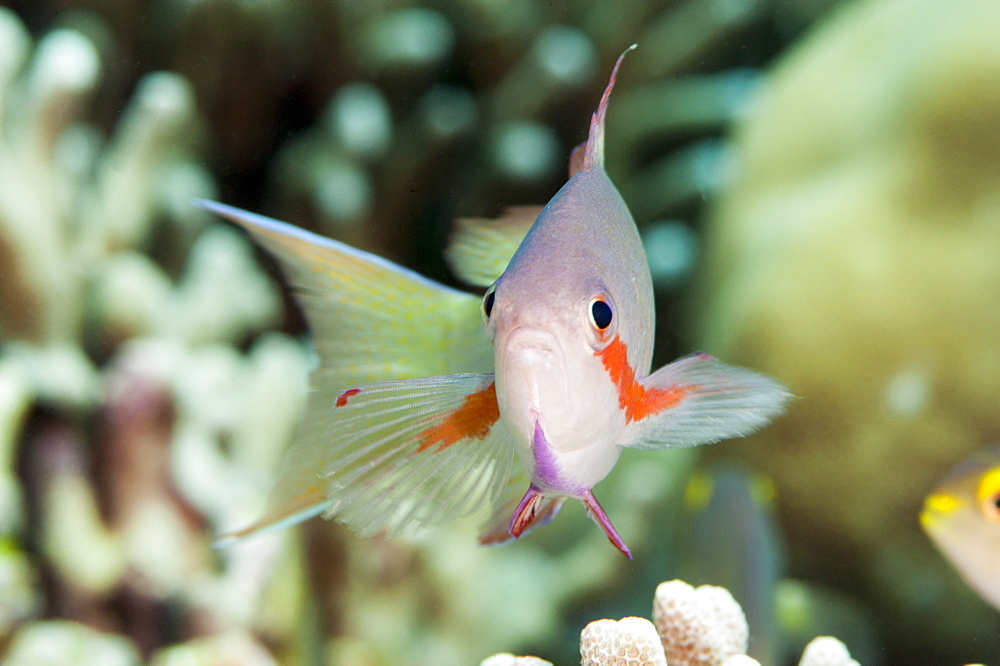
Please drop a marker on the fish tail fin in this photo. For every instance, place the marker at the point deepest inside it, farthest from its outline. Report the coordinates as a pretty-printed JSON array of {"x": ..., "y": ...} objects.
[
  {"x": 594, "y": 154},
  {"x": 481, "y": 248}
]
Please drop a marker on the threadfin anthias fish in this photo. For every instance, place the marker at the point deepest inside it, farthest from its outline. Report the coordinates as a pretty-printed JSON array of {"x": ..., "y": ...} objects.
[
  {"x": 416, "y": 417},
  {"x": 962, "y": 517}
]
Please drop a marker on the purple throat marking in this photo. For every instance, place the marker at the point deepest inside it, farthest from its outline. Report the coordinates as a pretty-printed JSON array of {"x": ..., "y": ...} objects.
[
  {"x": 547, "y": 472},
  {"x": 546, "y": 468}
]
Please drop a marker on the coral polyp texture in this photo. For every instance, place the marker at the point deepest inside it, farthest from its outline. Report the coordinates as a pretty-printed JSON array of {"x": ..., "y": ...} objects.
[
  {"x": 699, "y": 626},
  {"x": 631, "y": 641}
]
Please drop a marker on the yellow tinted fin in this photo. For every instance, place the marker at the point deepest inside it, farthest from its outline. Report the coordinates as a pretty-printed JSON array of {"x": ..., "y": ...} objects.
[
  {"x": 481, "y": 248},
  {"x": 371, "y": 320},
  {"x": 405, "y": 454},
  {"x": 415, "y": 452}
]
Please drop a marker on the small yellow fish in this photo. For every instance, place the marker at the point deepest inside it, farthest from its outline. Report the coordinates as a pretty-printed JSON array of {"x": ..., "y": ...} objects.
[
  {"x": 430, "y": 403},
  {"x": 962, "y": 518}
]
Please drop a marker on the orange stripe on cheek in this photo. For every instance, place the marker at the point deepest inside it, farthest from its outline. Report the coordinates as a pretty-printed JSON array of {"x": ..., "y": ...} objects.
[
  {"x": 474, "y": 419},
  {"x": 636, "y": 400}
]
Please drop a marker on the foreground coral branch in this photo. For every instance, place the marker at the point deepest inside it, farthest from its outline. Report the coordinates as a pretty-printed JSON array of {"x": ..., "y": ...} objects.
[{"x": 701, "y": 626}]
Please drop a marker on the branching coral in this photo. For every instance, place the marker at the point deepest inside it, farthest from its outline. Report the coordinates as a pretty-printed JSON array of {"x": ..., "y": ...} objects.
[{"x": 118, "y": 353}]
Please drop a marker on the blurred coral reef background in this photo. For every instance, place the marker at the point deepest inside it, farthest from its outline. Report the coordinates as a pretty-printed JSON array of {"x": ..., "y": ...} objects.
[{"x": 817, "y": 187}]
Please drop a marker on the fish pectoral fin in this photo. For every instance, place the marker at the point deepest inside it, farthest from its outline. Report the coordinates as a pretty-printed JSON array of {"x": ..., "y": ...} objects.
[
  {"x": 400, "y": 455},
  {"x": 698, "y": 399},
  {"x": 481, "y": 248},
  {"x": 410, "y": 453}
]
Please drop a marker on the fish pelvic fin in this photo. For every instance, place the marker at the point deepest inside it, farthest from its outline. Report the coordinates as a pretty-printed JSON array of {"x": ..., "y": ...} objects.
[
  {"x": 697, "y": 400},
  {"x": 496, "y": 529},
  {"x": 596, "y": 512},
  {"x": 534, "y": 510},
  {"x": 594, "y": 154}
]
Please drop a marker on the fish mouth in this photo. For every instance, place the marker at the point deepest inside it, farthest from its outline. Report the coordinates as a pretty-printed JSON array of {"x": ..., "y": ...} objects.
[
  {"x": 531, "y": 339},
  {"x": 531, "y": 381},
  {"x": 533, "y": 351}
]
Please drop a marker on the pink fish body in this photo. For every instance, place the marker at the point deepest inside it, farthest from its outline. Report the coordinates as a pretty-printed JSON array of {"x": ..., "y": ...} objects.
[{"x": 571, "y": 322}]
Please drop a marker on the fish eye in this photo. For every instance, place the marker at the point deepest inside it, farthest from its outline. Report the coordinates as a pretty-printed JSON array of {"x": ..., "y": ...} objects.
[
  {"x": 488, "y": 301},
  {"x": 988, "y": 495},
  {"x": 600, "y": 313},
  {"x": 991, "y": 507}
]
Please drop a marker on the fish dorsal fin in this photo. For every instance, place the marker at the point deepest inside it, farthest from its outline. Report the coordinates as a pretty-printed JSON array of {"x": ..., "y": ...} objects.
[
  {"x": 577, "y": 159},
  {"x": 594, "y": 155},
  {"x": 481, "y": 248}
]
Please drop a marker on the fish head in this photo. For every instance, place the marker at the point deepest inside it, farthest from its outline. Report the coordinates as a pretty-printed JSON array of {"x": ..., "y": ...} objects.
[
  {"x": 578, "y": 283},
  {"x": 962, "y": 517}
]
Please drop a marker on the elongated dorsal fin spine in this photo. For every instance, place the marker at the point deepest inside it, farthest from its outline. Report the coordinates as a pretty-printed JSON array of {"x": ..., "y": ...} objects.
[{"x": 594, "y": 157}]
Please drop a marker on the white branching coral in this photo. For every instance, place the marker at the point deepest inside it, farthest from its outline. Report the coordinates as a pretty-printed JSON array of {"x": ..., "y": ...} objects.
[
  {"x": 698, "y": 627},
  {"x": 826, "y": 651},
  {"x": 121, "y": 308},
  {"x": 632, "y": 641},
  {"x": 507, "y": 659},
  {"x": 740, "y": 660}
]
